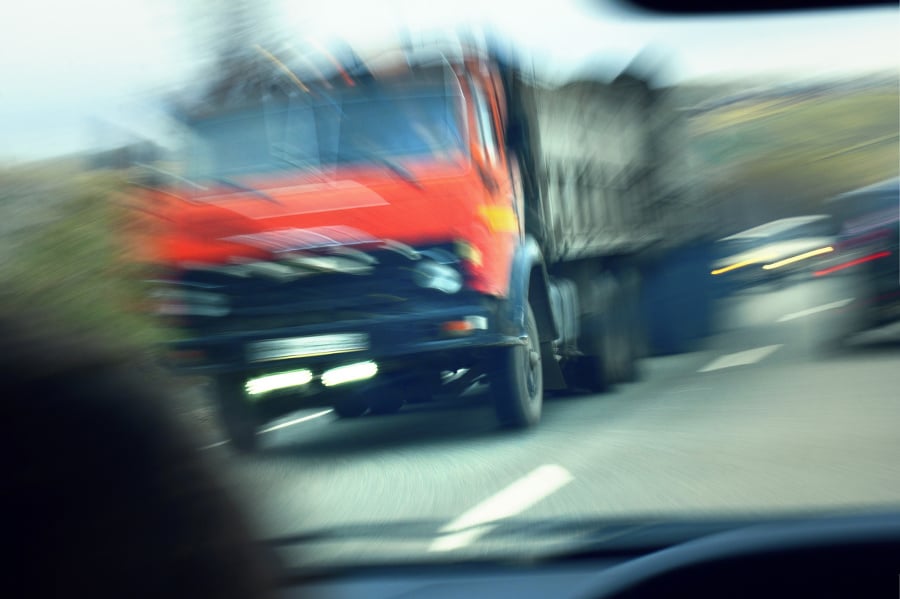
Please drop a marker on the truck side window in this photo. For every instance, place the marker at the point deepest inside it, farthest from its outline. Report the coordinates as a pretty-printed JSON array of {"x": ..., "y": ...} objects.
[{"x": 486, "y": 126}]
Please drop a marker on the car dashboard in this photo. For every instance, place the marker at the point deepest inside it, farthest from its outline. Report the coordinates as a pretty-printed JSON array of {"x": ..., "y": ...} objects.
[{"x": 835, "y": 557}]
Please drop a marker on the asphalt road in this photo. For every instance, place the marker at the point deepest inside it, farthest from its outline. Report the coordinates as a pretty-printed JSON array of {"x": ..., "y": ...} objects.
[{"x": 764, "y": 419}]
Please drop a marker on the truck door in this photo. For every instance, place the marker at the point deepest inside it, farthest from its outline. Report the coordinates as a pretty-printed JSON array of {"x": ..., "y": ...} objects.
[{"x": 504, "y": 214}]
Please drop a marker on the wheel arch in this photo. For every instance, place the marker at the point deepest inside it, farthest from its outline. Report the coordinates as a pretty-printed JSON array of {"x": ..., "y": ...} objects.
[{"x": 529, "y": 283}]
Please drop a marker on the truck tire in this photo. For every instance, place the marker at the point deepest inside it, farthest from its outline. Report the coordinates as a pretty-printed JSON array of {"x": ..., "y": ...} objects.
[
  {"x": 633, "y": 333},
  {"x": 595, "y": 369},
  {"x": 351, "y": 405},
  {"x": 239, "y": 416},
  {"x": 517, "y": 382},
  {"x": 391, "y": 401},
  {"x": 617, "y": 350}
]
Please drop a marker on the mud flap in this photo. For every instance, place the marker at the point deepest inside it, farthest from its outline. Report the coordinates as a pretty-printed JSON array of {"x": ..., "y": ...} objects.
[{"x": 553, "y": 374}]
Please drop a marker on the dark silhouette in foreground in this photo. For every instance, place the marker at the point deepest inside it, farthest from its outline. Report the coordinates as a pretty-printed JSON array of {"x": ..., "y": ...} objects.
[{"x": 103, "y": 491}]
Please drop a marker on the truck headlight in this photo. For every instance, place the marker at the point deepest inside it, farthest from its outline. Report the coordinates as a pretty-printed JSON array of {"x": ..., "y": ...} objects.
[
  {"x": 432, "y": 275},
  {"x": 469, "y": 253}
]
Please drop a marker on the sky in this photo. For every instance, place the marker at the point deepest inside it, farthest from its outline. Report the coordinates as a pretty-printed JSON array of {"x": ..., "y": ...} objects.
[{"x": 71, "y": 68}]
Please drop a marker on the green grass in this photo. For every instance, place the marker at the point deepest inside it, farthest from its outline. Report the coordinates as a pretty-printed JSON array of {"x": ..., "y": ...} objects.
[
  {"x": 789, "y": 155},
  {"x": 63, "y": 255}
]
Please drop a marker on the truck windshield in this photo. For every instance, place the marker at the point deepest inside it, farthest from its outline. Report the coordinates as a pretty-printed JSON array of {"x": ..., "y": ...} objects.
[{"x": 366, "y": 123}]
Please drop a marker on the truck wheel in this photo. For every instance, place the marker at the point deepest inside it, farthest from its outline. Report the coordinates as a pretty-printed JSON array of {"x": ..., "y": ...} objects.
[
  {"x": 594, "y": 370},
  {"x": 632, "y": 332},
  {"x": 616, "y": 349},
  {"x": 351, "y": 405},
  {"x": 390, "y": 403},
  {"x": 626, "y": 371},
  {"x": 618, "y": 345},
  {"x": 239, "y": 416},
  {"x": 518, "y": 381}
]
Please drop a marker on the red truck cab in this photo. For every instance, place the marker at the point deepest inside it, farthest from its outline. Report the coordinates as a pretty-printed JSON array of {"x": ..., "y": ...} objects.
[{"x": 353, "y": 235}]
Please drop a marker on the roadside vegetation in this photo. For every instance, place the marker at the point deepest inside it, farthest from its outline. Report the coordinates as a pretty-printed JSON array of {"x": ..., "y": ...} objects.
[
  {"x": 774, "y": 157},
  {"x": 62, "y": 254}
]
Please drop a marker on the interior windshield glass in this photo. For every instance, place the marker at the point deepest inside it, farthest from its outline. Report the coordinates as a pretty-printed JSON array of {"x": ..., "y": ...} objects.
[{"x": 456, "y": 280}]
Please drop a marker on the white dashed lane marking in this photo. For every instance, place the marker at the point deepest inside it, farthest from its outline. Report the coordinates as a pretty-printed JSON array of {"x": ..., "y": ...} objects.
[
  {"x": 815, "y": 310},
  {"x": 741, "y": 358},
  {"x": 275, "y": 427},
  {"x": 514, "y": 499},
  {"x": 282, "y": 425},
  {"x": 214, "y": 445}
]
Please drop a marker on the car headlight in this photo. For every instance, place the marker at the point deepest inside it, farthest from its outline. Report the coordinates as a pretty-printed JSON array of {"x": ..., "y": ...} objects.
[{"x": 433, "y": 275}]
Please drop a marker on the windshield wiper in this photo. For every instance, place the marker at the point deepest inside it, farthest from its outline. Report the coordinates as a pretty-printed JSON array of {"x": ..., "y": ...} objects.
[
  {"x": 305, "y": 166},
  {"x": 392, "y": 165},
  {"x": 241, "y": 187}
]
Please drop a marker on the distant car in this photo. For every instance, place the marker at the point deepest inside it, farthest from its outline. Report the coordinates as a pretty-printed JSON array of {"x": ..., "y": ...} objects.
[
  {"x": 776, "y": 251},
  {"x": 866, "y": 255}
]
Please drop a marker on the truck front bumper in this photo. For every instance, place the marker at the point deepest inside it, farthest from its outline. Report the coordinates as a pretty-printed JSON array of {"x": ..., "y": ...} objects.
[{"x": 393, "y": 338}]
